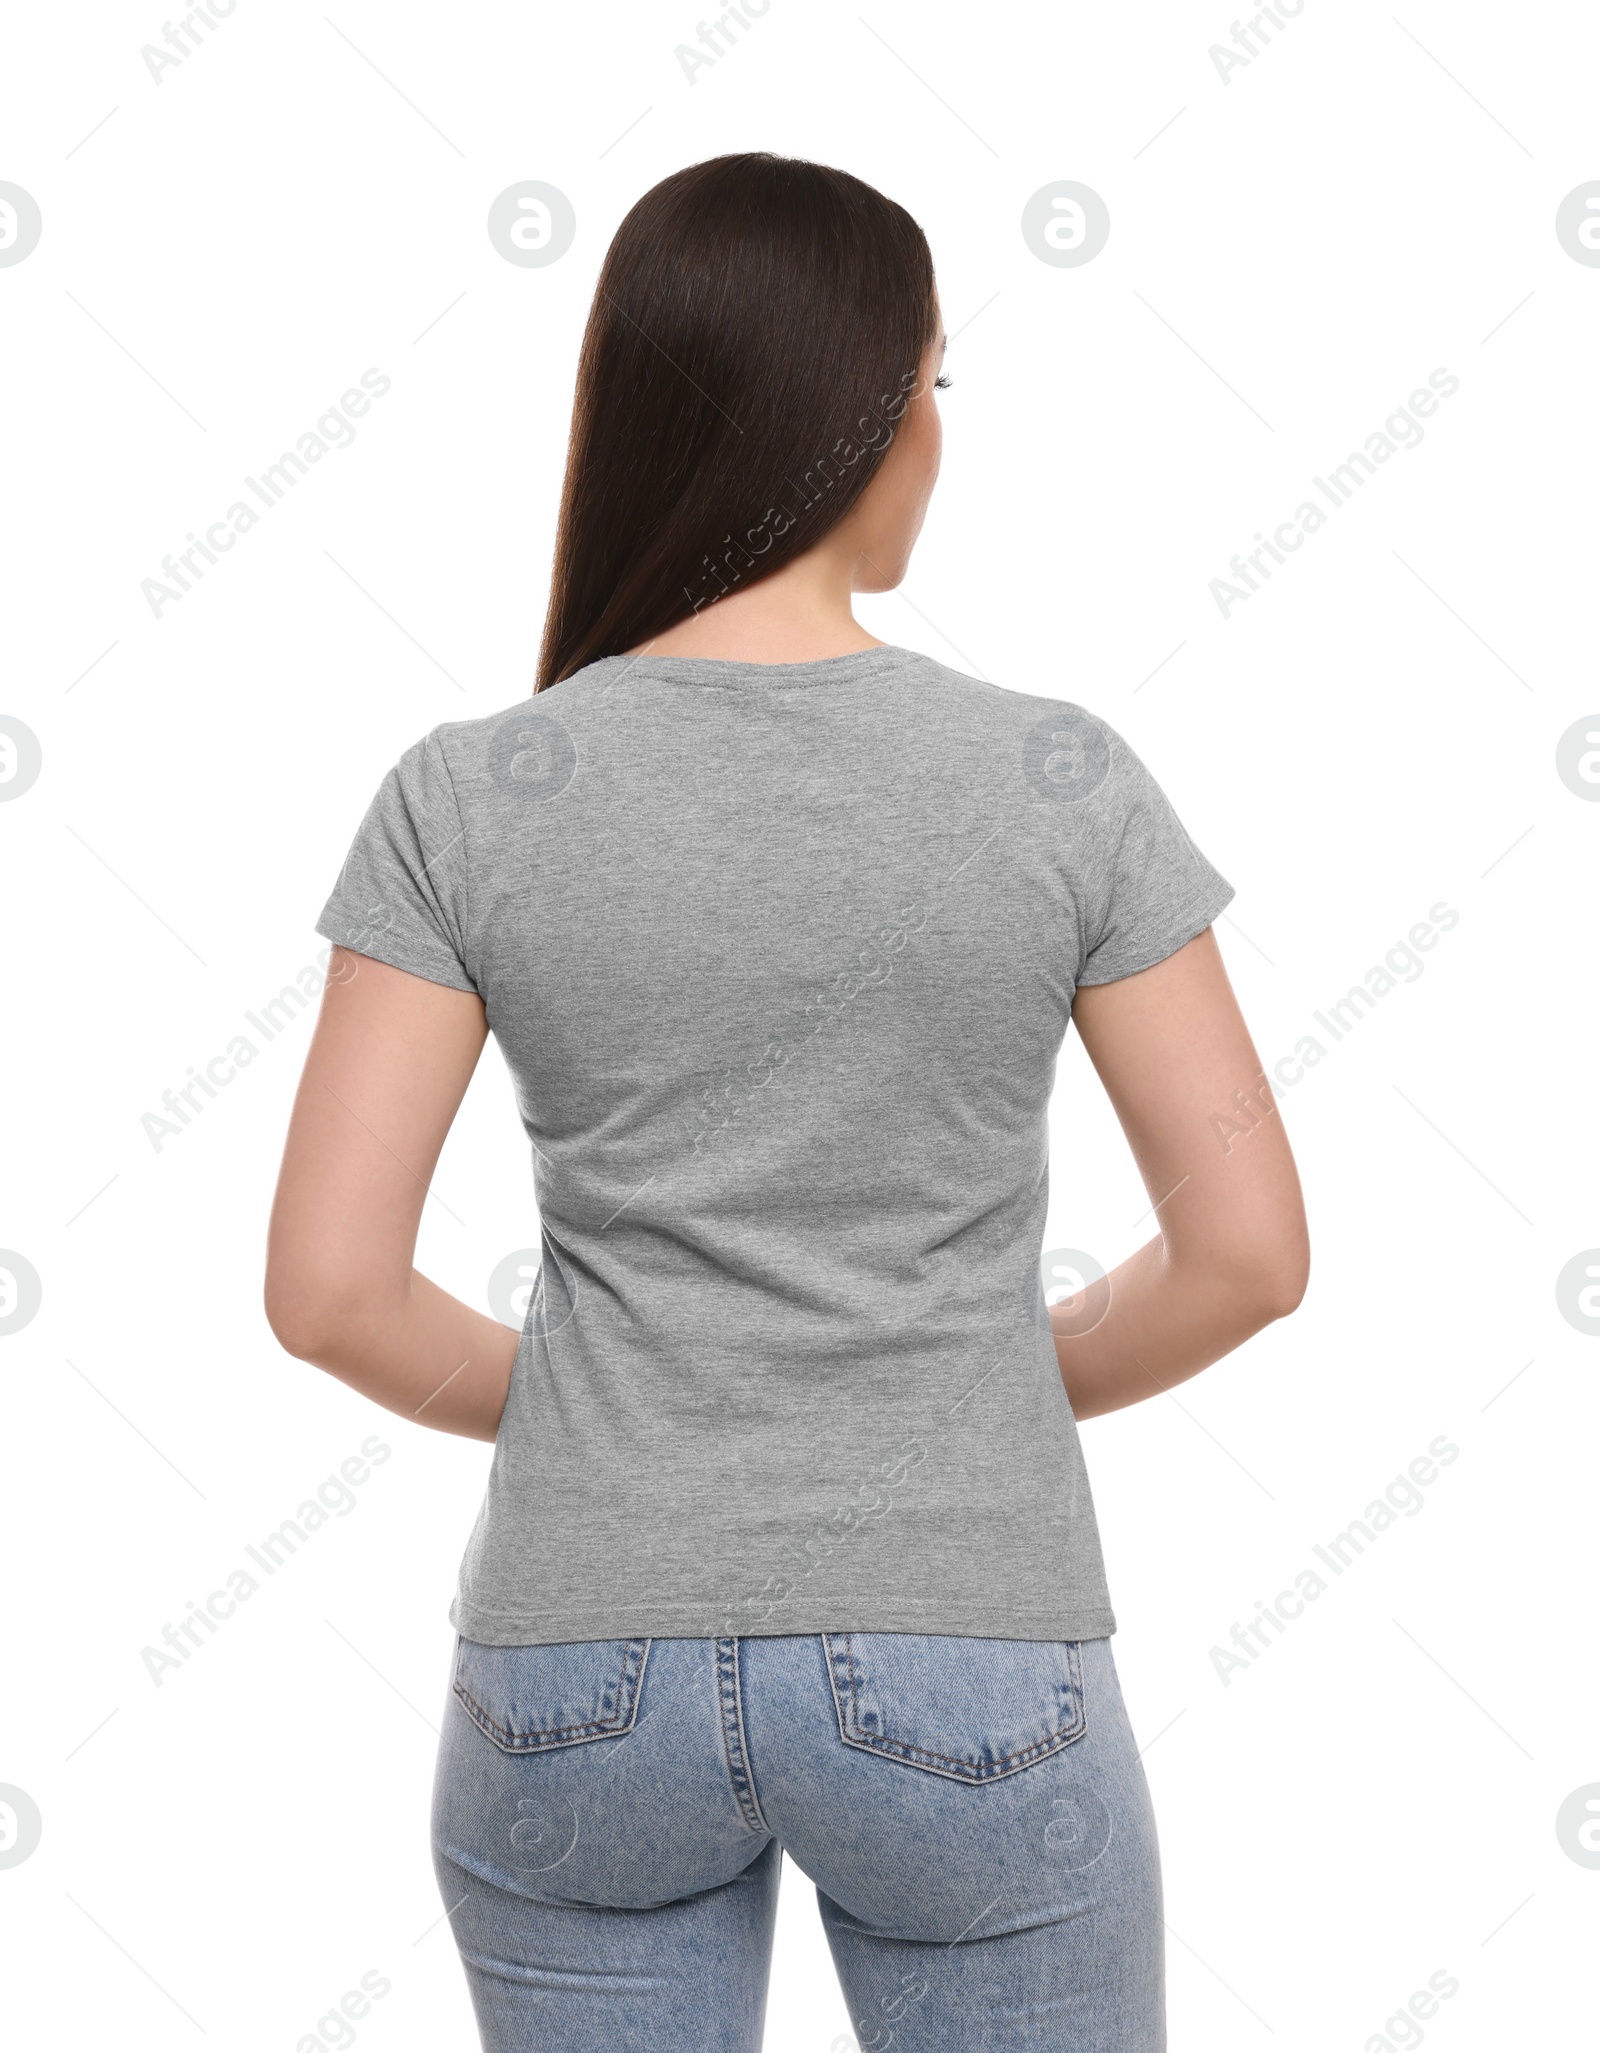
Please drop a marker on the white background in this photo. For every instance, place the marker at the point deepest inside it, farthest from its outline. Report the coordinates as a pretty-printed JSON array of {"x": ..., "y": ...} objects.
[{"x": 1292, "y": 252}]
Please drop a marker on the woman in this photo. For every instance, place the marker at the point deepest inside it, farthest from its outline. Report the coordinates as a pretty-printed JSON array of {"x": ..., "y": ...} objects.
[{"x": 787, "y": 1540}]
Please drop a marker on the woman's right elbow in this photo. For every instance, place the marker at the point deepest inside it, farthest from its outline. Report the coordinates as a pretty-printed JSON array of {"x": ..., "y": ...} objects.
[
  {"x": 305, "y": 1319},
  {"x": 287, "y": 1316}
]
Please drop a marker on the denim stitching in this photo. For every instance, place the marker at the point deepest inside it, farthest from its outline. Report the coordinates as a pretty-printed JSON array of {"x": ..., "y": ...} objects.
[
  {"x": 733, "y": 1732},
  {"x": 634, "y": 1655},
  {"x": 953, "y": 1767},
  {"x": 733, "y": 1735}
]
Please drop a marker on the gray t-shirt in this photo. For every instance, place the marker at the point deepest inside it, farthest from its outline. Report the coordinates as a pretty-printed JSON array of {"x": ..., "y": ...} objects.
[{"x": 780, "y": 958}]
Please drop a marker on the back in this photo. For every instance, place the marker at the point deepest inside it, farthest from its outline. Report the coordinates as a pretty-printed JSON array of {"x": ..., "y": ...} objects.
[{"x": 780, "y": 958}]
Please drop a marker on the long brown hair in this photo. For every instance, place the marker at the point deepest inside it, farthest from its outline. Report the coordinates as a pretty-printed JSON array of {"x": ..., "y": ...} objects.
[{"x": 756, "y": 333}]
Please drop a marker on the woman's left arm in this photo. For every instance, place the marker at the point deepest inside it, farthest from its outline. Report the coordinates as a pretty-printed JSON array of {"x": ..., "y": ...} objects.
[
  {"x": 1232, "y": 1251},
  {"x": 389, "y": 1064}
]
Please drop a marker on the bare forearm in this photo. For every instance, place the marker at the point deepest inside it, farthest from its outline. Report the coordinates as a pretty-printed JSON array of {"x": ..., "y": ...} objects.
[
  {"x": 424, "y": 1355},
  {"x": 1162, "y": 1323}
]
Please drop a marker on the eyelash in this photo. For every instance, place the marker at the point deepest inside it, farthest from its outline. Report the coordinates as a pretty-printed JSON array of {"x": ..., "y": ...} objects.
[{"x": 943, "y": 382}]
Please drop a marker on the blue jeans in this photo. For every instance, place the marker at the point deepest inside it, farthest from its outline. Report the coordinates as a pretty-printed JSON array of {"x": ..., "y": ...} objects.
[{"x": 610, "y": 1816}]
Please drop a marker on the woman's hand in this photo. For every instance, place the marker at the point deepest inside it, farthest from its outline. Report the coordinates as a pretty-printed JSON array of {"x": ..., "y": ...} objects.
[
  {"x": 389, "y": 1064},
  {"x": 1172, "y": 1050}
]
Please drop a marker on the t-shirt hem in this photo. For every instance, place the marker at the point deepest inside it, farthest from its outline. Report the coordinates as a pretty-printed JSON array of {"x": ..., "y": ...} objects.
[
  {"x": 382, "y": 947},
  {"x": 1177, "y": 936},
  {"x": 533, "y": 1628}
]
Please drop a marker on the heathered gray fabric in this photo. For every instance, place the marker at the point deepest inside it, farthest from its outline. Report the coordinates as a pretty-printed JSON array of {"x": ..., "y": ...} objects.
[{"x": 780, "y": 959}]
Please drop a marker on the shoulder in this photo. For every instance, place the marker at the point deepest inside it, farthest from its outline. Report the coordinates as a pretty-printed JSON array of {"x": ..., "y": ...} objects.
[
  {"x": 1059, "y": 751},
  {"x": 524, "y": 747},
  {"x": 1048, "y": 750}
]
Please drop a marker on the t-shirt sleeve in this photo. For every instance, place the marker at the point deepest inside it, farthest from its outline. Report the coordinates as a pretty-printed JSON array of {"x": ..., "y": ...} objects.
[
  {"x": 402, "y": 894},
  {"x": 1148, "y": 889}
]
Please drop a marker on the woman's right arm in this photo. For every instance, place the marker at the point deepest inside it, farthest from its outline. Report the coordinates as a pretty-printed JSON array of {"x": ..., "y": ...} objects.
[
  {"x": 385, "y": 1075},
  {"x": 1172, "y": 1050}
]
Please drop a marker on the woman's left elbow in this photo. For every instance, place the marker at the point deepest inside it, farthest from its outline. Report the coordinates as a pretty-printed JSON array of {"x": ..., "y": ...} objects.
[{"x": 1283, "y": 1283}]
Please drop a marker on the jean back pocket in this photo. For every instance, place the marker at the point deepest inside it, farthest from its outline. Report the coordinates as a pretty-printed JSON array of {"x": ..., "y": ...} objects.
[
  {"x": 970, "y": 1709},
  {"x": 530, "y": 1699}
]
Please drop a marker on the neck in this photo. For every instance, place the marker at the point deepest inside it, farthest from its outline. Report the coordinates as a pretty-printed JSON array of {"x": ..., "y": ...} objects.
[{"x": 800, "y": 614}]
